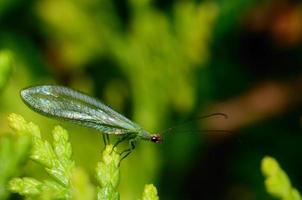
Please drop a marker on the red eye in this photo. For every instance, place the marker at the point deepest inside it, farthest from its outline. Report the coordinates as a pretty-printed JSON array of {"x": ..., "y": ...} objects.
[{"x": 155, "y": 138}]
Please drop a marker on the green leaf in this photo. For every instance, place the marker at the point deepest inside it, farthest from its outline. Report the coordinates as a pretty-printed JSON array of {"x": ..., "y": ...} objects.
[
  {"x": 277, "y": 182},
  {"x": 21, "y": 127},
  {"x": 108, "y": 192},
  {"x": 150, "y": 193},
  {"x": 13, "y": 152},
  {"x": 25, "y": 186},
  {"x": 66, "y": 181},
  {"x": 55, "y": 159},
  {"x": 108, "y": 174}
]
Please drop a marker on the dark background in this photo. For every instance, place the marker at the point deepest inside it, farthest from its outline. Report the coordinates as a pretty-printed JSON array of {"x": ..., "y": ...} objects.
[{"x": 161, "y": 63}]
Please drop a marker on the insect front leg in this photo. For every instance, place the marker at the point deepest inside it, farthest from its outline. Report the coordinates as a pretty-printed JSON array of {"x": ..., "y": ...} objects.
[
  {"x": 132, "y": 143},
  {"x": 120, "y": 140}
]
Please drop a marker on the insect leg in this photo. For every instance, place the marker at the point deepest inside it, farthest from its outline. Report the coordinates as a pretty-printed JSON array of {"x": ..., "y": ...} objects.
[
  {"x": 132, "y": 142},
  {"x": 106, "y": 139},
  {"x": 128, "y": 151},
  {"x": 120, "y": 140}
]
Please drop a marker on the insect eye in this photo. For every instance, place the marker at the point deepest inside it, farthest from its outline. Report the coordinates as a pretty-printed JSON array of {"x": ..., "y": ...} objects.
[{"x": 154, "y": 139}]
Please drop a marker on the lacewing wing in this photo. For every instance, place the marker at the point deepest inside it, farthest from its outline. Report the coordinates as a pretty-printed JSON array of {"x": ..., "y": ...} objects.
[{"x": 67, "y": 104}]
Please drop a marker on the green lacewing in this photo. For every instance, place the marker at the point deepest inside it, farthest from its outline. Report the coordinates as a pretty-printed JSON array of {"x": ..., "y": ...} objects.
[{"x": 67, "y": 104}]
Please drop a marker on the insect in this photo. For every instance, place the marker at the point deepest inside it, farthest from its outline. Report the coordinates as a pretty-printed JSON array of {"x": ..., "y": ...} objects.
[{"x": 68, "y": 104}]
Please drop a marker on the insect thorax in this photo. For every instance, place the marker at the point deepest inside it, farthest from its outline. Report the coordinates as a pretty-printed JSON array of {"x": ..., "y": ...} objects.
[{"x": 144, "y": 135}]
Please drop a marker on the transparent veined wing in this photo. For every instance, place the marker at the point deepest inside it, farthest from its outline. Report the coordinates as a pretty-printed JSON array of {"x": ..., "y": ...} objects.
[{"x": 67, "y": 104}]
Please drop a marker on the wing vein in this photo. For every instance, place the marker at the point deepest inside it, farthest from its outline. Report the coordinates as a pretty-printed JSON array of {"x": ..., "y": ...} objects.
[{"x": 67, "y": 104}]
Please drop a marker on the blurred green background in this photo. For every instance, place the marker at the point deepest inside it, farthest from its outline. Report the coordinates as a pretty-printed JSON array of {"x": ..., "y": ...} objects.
[{"x": 161, "y": 63}]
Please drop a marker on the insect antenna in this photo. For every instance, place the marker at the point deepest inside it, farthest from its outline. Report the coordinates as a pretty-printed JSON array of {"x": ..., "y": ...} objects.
[
  {"x": 194, "y": 120},
  {"x": 179, "y": 127}
]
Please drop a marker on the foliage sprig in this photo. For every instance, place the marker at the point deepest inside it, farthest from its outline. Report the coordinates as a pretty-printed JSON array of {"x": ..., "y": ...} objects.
[
  {"x": 277, "y": 182},
  {"x": 66, "y": 181}
]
